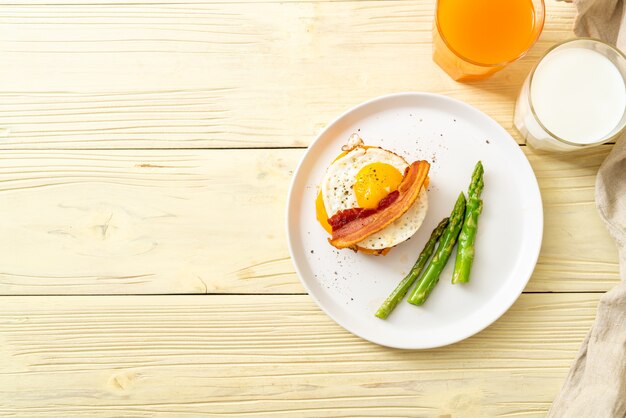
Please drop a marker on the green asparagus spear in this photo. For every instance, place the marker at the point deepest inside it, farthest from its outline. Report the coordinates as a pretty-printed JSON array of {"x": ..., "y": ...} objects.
[
  {"x": 439, "y": 260},
  {"x": 465, "y": 250},
  {"x": 398, "y": 293}
]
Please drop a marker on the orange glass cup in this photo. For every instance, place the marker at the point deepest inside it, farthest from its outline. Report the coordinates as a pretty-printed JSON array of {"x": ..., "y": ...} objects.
[{"x": 472, "y": 39}]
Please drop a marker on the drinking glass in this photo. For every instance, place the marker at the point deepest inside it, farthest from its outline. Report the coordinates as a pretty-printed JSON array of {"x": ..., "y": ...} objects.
[
  {"x": 574, "y": 101},
  {"x": 472, "y": 39}
]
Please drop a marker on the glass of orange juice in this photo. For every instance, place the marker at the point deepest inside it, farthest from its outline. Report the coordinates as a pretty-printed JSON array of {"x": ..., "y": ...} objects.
[{"x": 472, "y": 39}]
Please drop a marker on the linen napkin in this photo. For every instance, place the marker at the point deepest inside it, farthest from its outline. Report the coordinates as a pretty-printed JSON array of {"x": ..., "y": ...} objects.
[{"x": 596, "y": 384}]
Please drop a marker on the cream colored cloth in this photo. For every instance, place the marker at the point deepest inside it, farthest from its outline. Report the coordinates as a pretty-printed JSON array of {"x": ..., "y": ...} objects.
[
  {"x": 602, "y": 19},
  {"x": 596, "y": 384}
]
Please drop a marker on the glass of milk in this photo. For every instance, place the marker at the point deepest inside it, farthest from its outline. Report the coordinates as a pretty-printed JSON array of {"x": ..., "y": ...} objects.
[{"x": 575, "y": 97}]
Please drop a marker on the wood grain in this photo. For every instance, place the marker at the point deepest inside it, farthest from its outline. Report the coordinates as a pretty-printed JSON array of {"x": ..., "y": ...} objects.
[
  {"x": 212, "y": 221},
  {"x": 86, "y": 84},
  {"x": 144, "y": 221},
  {"x": 271, "y": 356},
  {"x": 222, "y": 74},
  {"x": 576, "y": 249}
]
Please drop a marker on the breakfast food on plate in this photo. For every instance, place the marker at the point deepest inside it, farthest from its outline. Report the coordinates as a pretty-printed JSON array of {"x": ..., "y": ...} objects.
[
  {"x": 465, "y": 251},
  {"x": 371, "y": 199},
  {"x": 398, "y": 293},
  {"x": 438, "y": 262},
  {"x": 461, "y": 226}
]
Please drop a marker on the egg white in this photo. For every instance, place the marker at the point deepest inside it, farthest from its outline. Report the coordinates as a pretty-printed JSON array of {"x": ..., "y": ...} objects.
[{"x": 338, "y": 194}]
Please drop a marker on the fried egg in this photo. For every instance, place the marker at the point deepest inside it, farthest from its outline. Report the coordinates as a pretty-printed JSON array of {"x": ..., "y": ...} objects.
[{"x": 360, "y": 178}]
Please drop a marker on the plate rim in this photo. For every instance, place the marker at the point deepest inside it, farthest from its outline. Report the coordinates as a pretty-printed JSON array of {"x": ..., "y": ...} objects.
[{"x": 472, "y": 330}]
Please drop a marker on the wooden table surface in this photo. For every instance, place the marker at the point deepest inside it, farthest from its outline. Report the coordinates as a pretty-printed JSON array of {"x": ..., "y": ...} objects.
[{"x": 146, "y": 153}]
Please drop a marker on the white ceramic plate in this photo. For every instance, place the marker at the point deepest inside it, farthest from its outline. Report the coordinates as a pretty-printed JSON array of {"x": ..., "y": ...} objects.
[{"x": 453, "y": 136}]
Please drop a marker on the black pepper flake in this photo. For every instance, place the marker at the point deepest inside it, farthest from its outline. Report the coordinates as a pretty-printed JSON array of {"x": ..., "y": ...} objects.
[{"x": 312, "y": 252}]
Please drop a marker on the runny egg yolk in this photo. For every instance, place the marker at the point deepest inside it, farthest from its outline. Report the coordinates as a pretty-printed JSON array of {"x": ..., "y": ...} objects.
[{"x": 374, "y": 182}]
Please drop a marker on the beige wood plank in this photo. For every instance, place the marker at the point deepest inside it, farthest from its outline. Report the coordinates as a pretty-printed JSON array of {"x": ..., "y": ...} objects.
[
  {"x": 222, "y": 74},
  {"x": 144, "y": 221},
  {"x": 271, "y": 356},
  {"x": 196, "y": 221},
  {"x": 577, "y": 252}
]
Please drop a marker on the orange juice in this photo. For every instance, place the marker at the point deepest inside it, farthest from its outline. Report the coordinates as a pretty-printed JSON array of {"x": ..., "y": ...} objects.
[{"x": 475, "y": 38}]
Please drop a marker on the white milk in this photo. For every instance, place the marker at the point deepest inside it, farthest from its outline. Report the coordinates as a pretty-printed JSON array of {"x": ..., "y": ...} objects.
[{"x": 577, "y": 93}]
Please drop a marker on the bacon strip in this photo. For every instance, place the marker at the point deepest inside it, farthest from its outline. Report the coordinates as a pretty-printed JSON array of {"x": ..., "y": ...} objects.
[
  {"x": 346, "y": 216},
  {"x": 349, "y": 234}
]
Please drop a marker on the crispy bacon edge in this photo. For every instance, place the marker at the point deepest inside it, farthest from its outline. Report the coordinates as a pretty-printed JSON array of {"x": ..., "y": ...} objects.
[
  {"x": 382, "y": 252},
  {"x": 357, "y": 230}
]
